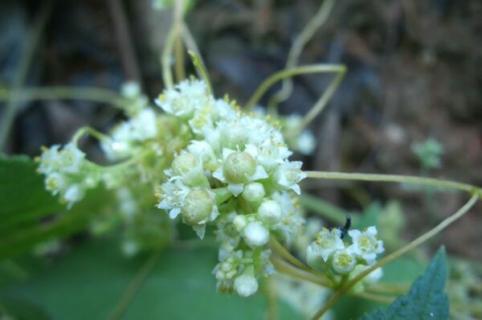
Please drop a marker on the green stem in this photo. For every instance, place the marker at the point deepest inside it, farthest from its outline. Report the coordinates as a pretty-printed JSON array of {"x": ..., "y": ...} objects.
[
  {"x": 286, "y": 73},
  {"x": 293, "y": 56},
  {"x": 88, "y": 130},
  {"x": 134, "y": 286},
  {"x": 65, "y": 93},
  {"x": 20, "y": 75},
  {"x": 285, "y": 254},
  {"x": 166, "y": 59},
  {"x": 436, "y": 183},
  {"x": 412, "y": 245},
  {"x": 179, "y": 49},
  {"x": 325, "y": 98},
  {"x": 290, "y": 270}
]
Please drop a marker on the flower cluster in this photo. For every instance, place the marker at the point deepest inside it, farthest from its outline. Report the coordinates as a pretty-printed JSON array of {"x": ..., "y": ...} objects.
[
  {"x": 331, "y": 254},
  {"x": 138, "y": 147},
  {"x": 67, "y": 173},
  {"x": 234, "y": 174}
]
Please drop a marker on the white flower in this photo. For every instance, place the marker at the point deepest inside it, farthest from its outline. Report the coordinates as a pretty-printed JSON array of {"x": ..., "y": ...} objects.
[
  {"x": 172, "y": 195},
  {"x": 255, "y": 234},
  {"x": 365, "y": 244},
  {"x": 289, "y": 174},
  {"x": 185, "y": 98},
  {"x": 71, "y": 158},
  {"x": 325, "y": 244},
  {"x": 343, "y": 261},
  {"x": 188, "y": 167},
  {"x": 55, "y": 182},
  {"x": 203, "y": 151},
  {"x": 246, "y": 285}
]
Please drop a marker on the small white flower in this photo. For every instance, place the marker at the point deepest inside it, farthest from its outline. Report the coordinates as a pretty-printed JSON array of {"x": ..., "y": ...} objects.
[
  {"x": 172, "y": 195},
  {"x": 289, "y": 174},
  {"x": 343, "y": 261},
  {"x": 255, "y": 234},
  {"x": 55, "y": 182},
  {"x": 246, "y": 285},
  {"x": 185, "y": 98},
  {"x": 365, "y": 244},
  {"x": 325, "y": 244},
  {"x": 71, "y": 158},
  {"x": 188, "y": 167}
]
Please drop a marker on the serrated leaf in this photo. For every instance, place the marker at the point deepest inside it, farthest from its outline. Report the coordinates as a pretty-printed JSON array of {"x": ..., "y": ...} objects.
[
  {"x": 23, "y": 195},
  {"x": 90, "y": 282},
  {"x": 426, "y": 299}
]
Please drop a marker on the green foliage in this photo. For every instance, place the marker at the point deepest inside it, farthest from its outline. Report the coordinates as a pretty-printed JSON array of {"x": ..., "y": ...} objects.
[
  {"x": 90, "y": 281},
  {"x": 426, "y": 298},
  {"x": 24, "y": 198},
  {"x": 27, "y": 210}
]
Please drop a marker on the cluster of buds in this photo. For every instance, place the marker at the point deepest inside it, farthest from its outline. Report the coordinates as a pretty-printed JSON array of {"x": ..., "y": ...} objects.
[
  {"x": 337, "y": 258},
  {"x": 235, "y": 175}
]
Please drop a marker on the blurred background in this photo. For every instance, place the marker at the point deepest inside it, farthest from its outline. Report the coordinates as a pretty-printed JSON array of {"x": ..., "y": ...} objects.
[{"x": 410, "y": 103}]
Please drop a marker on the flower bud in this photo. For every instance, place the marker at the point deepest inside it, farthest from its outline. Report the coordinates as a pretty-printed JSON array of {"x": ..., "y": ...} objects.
[
  {"x": 255, "y": 234},
  {"x": 246, "y": 285},
  {"x": 198, "y": 206},
  {"x": 240, "y": 222},
  {"x": 270, "y": 211},
  {"x": 253, "y": 192},
  {"x": 239, "y": 167}
]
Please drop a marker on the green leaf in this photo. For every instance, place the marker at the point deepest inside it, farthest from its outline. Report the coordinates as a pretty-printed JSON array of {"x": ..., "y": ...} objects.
[
  {"x": 62, "y": 225},
  {"x": 19, "y": 309},
  {"x": 426, "y": 299},
  {"x": 90, "y": 281},
  {"x": 23, "y": 195}
]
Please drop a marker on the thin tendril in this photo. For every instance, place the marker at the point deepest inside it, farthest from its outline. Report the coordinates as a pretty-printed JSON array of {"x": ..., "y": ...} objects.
[{"x": 298, "y": 45}]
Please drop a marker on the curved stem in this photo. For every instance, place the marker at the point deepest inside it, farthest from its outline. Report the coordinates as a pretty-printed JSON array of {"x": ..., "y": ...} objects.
[
  {"x": 166, "y": 59},
  {"x": 279, "y": 249},
  {"x": 66, "y": 93},
  {"x": 286, "y": 268},
  {"x": 415, "y": 243},
  {"x": 293, "y": 56},
  {"x": 325, "y": 98},
  {"x": 88, "y": 130},
  {"x": 432, "y": 182},
  {"x": 134, "y": 286},
  {"x": 286, "y": 73},
  {"x": 179, "y": 49}
]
